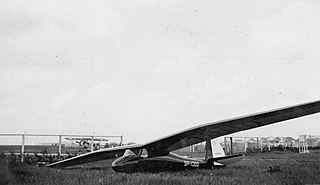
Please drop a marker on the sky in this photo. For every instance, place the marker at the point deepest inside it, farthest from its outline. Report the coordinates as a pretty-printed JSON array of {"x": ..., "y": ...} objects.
[{"x": 146, "y": 69}]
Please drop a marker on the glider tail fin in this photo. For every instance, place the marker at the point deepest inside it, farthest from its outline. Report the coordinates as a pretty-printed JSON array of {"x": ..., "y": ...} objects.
[
  {"x": 213, "y": 150},
  {"x": 215, "y": 155}
]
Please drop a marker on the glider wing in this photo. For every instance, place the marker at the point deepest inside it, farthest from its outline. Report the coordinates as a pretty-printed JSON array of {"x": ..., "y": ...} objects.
[
  {"x": 213, "y": 130},
  {"x": 98, "y": 155}
]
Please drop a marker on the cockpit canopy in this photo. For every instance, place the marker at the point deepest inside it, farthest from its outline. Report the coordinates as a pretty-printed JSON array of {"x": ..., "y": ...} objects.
[
  {"x": 141, "y": 153},
  {"x": 128, "y": 153}
]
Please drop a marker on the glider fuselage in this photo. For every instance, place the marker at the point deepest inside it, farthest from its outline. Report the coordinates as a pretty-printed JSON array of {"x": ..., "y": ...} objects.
[{"x": 171, "y": 162}]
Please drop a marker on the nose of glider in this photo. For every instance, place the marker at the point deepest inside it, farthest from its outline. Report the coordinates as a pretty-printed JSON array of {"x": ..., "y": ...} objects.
[
  {"x": 118, "y": 168},
  {"x": 118, "y": 164}
]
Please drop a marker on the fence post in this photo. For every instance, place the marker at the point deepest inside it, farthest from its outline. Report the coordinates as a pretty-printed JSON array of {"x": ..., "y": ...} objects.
[
  {"x": 91, "y": 144},
  {"x": 225, "y": 145},
  {"x": 60, "y": 144},
  {"x": 22, "y": 147},
  {"x": 192, "y": 148},
  {"x": 245, "y": 144},
  {"x": 231, "y": 147},
  {"x": 121, "y": 140}
]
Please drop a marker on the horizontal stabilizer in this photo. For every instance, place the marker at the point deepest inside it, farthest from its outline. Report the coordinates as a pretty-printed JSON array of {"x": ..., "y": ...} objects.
[
  {"x": 226, "y": 160},
  {"x": 217, "y": 164}
]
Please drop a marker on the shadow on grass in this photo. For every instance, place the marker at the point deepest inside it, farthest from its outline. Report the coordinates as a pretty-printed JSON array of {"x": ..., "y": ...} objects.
[{"x": 89, "y": 168}]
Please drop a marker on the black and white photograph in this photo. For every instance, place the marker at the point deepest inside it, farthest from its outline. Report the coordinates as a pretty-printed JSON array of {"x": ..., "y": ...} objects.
[{"x": 161, "y": 92}]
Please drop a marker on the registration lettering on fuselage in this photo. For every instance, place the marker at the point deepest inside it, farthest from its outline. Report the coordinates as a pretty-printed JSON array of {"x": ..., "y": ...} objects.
[{"x": 194, "y": 164}]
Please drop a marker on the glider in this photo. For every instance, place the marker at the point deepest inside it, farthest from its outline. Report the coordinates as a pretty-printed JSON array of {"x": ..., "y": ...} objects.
[{"x": 157, "y": 155}]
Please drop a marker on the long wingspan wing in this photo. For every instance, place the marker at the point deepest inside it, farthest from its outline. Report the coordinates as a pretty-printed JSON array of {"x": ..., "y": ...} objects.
[
  {"x": 98, "y": 155},
  {"x": 213, "y": 130},
  {"x": 198, "y": 134}
]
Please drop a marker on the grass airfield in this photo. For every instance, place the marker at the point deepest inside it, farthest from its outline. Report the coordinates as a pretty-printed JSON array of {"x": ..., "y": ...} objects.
[{"x": 262, "y": 168}]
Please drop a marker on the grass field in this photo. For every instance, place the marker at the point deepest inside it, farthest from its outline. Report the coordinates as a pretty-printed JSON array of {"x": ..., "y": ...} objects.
[{"x": 293, "y": 168}]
